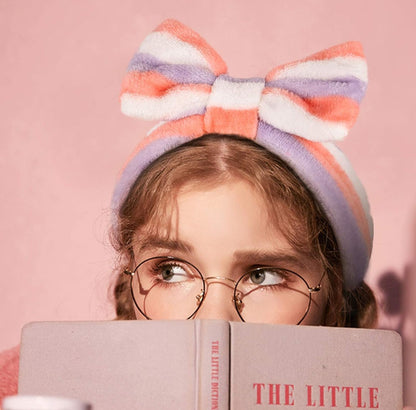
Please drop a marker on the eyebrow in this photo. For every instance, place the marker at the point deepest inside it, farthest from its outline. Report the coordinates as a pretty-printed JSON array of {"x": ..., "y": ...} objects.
[
  {"x": 155, "y": 242},
  {"x": 269, "y": 257},
  {"x": 256, "y": 256}
]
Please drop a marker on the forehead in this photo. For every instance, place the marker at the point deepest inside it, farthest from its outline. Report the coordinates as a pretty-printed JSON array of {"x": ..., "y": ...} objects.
[
  {"x": 232, "y": 213},
  {"x": 213, "y": 201},
  {"x": 226, "y": 209}
]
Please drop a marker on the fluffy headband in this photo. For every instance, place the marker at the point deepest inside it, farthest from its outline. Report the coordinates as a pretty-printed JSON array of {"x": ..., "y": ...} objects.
[{"x": 297, "y": 112}]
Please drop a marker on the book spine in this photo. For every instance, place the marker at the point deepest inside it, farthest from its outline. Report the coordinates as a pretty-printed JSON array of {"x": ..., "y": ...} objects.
[{"x": 212, "y": 340}]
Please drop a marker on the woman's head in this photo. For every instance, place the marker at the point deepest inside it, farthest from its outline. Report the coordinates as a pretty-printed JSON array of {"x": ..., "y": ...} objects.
[
  {"x": 226, "y": 195},
  {"x": 307, "y": 191}
]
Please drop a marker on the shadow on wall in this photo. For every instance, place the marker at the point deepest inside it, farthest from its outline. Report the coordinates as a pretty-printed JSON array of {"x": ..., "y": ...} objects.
[
  {"x": 391, "y": 286},
  {"x": 398, "y": 305}
]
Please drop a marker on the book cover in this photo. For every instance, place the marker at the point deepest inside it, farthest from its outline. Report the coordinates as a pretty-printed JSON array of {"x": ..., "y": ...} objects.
[
  {"x": 128, "y": 364},
  {"x": 212, "y": 364},
  {"x": 307, "y": 367}
]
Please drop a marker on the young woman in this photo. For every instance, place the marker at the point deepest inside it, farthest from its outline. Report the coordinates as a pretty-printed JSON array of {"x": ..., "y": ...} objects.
[
  {"x": 223, "y": 216},
  {"x": 239, "y": 205}
]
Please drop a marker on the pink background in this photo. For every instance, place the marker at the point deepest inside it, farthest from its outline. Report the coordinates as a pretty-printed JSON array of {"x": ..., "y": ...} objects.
[{"x": 63, "y": 139}]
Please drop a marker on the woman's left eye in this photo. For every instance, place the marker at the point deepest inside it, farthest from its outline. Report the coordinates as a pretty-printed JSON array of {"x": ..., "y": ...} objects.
[{"x": 266, "y": 277}]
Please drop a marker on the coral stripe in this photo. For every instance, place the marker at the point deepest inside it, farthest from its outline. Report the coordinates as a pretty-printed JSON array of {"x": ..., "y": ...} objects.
[
  {"x": 149, "y": 83},
  {"x": 334, "y": 108},
  {"x": 343, "y": 162},
  {"x": 189, "y": 36},
  {"x": 329, "y": 70},
  {"x": 191, "y": 127},
  {"x": 153, "y": 84},
  {"x": 350, "y": 49},
  {"x": 333, "y": 168},
  {"x": 288, "y": 116},
  {"x": 240, "y": 122}
]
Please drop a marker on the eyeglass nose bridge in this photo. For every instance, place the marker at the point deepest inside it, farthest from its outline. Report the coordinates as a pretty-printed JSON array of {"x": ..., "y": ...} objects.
[
  {"x": 236, "y": 299},
  {"x": 220, "y": 278}
]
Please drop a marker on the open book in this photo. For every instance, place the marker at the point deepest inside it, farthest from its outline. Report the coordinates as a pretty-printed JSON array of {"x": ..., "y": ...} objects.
[{"x": 212, "y": 364}]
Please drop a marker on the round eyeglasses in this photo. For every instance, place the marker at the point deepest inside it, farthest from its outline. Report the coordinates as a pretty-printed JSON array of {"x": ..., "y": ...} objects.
[{"x": 165, "y": 287}]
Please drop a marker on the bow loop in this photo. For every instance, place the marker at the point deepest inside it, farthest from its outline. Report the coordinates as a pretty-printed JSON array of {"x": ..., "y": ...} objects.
[
  {"x": 171, "y": 75},
  {"x": 317, "y": 97}
]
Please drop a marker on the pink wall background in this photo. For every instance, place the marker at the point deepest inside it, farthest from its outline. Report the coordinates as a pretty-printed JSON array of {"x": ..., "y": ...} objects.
[{"x": 63, "y": 139}]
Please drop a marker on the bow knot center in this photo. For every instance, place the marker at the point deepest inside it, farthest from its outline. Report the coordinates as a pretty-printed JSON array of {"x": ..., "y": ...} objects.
[{"x": 232, "y": 106}]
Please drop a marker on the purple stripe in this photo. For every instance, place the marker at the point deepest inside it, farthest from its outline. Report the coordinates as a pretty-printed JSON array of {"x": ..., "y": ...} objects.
[
  {"x": 178, "y": 73},
  {"x": 137, "y": 165},
  {"x": 347, "y": 232},
  {"x": 143, "y": 62},
  {"x": 230, "y": 79},
  {"x": 350, "y": 87}
]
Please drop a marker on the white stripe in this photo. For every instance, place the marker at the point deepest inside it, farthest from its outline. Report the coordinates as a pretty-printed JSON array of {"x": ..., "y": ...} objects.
[
  {"x": 169, "y": 107},
  {"x": 337, "y": 67},
  {"x": 344, "y": 163},
  {"x": 233, "y": 95},
  {"x": 284, "y": 114},
  {"x": 168, "y": 48}
]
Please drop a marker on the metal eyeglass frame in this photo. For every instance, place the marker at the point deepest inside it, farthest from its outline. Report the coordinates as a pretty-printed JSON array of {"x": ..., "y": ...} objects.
[{"x": 236, "y": 297}]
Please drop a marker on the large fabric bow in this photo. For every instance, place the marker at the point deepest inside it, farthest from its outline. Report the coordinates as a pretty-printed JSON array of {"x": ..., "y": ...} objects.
[{"x": 176, "y": 74}]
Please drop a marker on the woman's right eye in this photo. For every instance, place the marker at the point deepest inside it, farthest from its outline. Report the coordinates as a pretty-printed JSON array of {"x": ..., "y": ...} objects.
[{"x": 172, "y": 273}]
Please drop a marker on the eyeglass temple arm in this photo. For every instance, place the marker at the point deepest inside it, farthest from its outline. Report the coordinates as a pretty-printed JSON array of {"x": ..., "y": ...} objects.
[{"x": 318, "y": 287}]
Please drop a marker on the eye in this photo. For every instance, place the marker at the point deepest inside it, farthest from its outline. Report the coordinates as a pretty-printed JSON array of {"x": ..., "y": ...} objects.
[
  {"x": 267, "y": 276},
  {"x": 172, "y": 272}
]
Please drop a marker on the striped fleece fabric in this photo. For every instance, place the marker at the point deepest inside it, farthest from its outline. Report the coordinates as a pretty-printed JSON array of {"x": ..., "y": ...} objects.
[{"x": 298, "y": 111}]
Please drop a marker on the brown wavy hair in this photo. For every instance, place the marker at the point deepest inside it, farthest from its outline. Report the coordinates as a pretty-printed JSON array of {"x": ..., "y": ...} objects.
[{"x": 216, "y": 158}]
